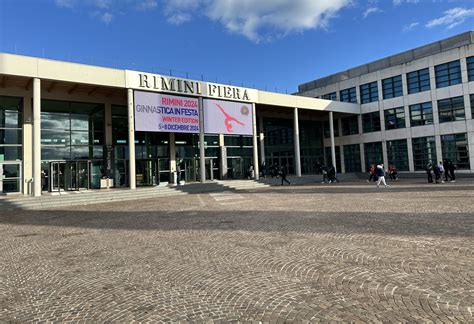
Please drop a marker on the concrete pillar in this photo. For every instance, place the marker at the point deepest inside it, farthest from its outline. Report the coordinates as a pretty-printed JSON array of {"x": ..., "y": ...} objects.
[
  {"x": 37, "y": 136},
  {"x": 173, "y": 162},
  {"x": 27, "y": 173},
  {"x": 262, "y": 140},
  {"x": 131, "y": 142},
  {"x": 223, "y": 158},
  {"x": 333, "y": 145},
  {"x": 202, "y": 152},
  {"x": 296, "y": 140},
  {"x": 255, "y": 143},
  {"x": 108, "y": 124}
]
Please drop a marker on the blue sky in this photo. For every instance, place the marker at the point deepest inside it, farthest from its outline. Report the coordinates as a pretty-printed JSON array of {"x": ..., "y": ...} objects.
[{"x": 276, "y": 44}]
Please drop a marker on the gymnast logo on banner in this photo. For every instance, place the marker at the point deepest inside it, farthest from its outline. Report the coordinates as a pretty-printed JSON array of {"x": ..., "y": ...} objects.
[{"x": 227, "y": 117}]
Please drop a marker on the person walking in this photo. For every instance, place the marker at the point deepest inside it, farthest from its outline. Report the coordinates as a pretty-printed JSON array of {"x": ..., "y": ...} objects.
[
  {"x": 446, "y": 170},
  {"x": 380, "y": 174},
  {"x": 429, "y": 169},
  {"x": 371, "y": 173},
  {"x": 178, "y": 174},
  {"x": 441, "y": 171},
  {"x": 437, "y": 173},
  {"x": 451, "y": 168},
  {"x": 392, "y": 172},
  {"x": 284, "y": 172}
]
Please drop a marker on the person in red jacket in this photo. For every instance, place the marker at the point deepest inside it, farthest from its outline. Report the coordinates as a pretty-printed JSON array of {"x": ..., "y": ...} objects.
[{"x": 372, "y": 173}]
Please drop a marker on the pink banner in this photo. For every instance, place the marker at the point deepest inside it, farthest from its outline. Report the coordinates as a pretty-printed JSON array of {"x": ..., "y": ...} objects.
[
  {"x": 227, "y": 117},
  {"x": 156, "y": 112}
]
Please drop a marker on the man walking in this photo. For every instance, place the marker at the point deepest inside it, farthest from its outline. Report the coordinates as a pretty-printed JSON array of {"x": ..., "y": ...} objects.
[
  {"x": 283, "y": 173},
  {"x": 380, "y": 174}
]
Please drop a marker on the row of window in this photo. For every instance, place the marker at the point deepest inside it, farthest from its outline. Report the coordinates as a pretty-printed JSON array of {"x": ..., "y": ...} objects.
[
  {"x": 454, "y": 148},
  {"x": 446, "y": 74},
  {"x": 450, "y": 109}
]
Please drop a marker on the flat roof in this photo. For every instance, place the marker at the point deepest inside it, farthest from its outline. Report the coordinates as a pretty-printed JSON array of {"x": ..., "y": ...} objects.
[
  {"x": 55, "y": 70},
  {"x": 390, "y": 61}
]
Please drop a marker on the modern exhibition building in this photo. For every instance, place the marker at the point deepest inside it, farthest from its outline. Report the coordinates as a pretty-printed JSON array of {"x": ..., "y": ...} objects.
[{"x": 67, "y": 126}]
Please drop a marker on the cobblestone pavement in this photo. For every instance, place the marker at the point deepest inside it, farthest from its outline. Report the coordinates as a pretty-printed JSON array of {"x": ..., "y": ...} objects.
[{"x": 346, "y": 252}]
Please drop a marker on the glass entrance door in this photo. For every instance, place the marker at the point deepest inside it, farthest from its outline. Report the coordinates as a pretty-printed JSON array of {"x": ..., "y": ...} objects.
[
  {"x": 69, "y": 175},
  {"x": 235, "y": 167},
  {"x": 147, "y": 172},
  {"x": 10, "y": 178}
]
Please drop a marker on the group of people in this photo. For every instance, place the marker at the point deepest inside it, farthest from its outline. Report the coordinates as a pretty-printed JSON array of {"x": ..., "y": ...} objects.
[
  {"x": 329, "y": 174},
  {"x": 443, "y": 172},
  {"x": 377, "y": 174}
]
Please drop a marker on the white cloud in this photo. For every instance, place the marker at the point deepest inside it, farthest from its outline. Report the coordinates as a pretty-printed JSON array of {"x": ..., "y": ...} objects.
[
  {"x": 106, "y": 18},
  {"x": 65, "y": 3},
  {"x": 147, "y": 5},
  {"x": 399, "y": 2},
  {"x": 451, "y": 18},
  {"x": 370, "y": 10},
  {"x": 259, "y": 20},
  {"x": 410, "y": 27}
]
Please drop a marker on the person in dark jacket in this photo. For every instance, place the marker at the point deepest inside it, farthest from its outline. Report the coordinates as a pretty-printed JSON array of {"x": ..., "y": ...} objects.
[
  {"x": 429, "y": 170},
  {"x": 451, "y": 168},
  {"x": 283, "y": 173},
  {"x": 332, "y": 174}
]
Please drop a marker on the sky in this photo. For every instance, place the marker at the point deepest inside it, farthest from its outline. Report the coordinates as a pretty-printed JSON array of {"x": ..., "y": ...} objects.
[{"x": 268, "y": 44}]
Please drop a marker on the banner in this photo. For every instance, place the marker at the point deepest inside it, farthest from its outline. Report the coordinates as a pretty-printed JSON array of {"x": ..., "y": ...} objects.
[
  {"x": 227, "y": 117},
  {"x": 156, "y": 112}
]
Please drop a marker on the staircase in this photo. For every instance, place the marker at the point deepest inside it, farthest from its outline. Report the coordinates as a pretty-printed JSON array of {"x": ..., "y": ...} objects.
[
  {"x": 243, "y": 184},
  {"x": 86, "y": 198}
]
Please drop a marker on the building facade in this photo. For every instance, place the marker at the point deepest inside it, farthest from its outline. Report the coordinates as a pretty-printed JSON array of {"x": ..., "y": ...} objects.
[
  {"x": 417, "y": 107},
  {"x": 67, "y": 126}
]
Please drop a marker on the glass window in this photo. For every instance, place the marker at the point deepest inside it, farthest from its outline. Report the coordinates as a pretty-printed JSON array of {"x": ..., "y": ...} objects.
[
  {"x": 329, "y": 96},
  {"x": 471, "y": 97},
  {"x": 352, "y": 158},
  {"x": 373, "y": 154},
  {"x": 394, "y": 118},
  {"x": 421, "y": 114},
  {"x": 470, "y": 68},
  {"x": 348, "y": 95},
  {"x": 327, "y": 130},
  {"x": 448, "y": 74},
  {"x": 397, "y": 152},
  {"x": 11, "y": 125},
  {"x": 392, "y": 87},
  {"x": 455, "y": 149},
  {"x": 369, "y": 92},
  {"x": 418, "y": 81},
  {"x": 424, "y": 152},
  {"x": 371, "y": 122},
  {"x": 451, "y": 109},
  {"x": 69, "y": 130},
  {"x": 350, "y": 125}
]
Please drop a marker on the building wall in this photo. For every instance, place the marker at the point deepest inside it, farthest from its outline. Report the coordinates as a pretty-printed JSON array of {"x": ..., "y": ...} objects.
[{"x": 436, "y": 129}]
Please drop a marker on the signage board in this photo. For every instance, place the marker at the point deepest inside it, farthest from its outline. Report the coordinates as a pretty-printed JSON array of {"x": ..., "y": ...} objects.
[
  {"x": 156, "y": 112},
  {"x": 227, "y": 117},
  {"x": 167, "y": 84}
]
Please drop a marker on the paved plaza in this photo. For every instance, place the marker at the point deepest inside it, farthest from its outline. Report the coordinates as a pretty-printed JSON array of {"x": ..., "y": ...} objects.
[{"x": 308, "y": 253}]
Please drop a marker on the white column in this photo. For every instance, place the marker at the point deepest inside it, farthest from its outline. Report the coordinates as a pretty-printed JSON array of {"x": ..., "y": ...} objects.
[
  {"x": 202, "y": 152},
  {"x": 28, "y": 186},
  {"x": 256, "y": 168},
  {"x": 131, "y": 142},
  {"x": 262, "y": 140},
  {"x": 296, "y": 140},
  {"x": 333, "y": 146},
  {"x": 37, "y": 136},
  {"x": 173, "y": 162}
]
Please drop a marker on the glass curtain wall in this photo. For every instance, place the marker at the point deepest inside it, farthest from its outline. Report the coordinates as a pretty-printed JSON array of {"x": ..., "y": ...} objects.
[
  {"x": 239, "y": 156},
  {"x": 279, "y": 146},
  {"x": 311, "y": 146},
  {"x": 73, "y": 131},
  {"x": 11, "y": 126}
]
